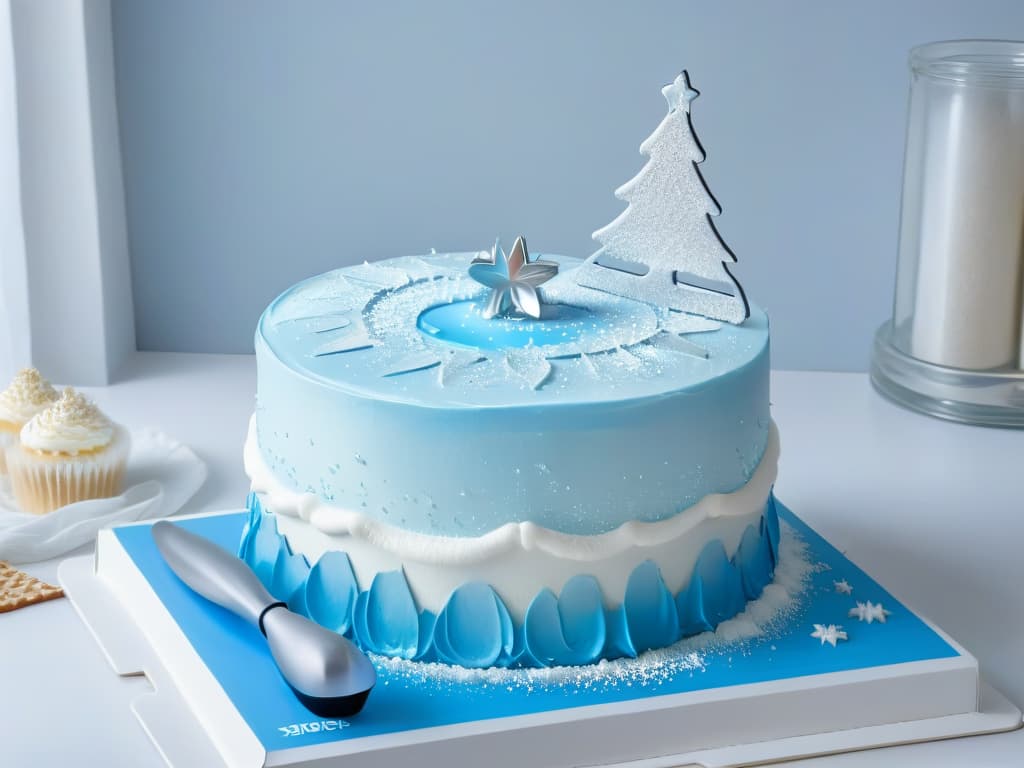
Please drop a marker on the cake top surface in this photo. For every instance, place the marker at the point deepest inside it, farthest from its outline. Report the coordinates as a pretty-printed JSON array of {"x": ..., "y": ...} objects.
[{"x": 414, "y": 330}]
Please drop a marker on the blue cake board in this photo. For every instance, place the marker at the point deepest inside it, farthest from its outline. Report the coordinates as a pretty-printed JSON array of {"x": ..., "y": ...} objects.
[{"x": 219, "y": 699}]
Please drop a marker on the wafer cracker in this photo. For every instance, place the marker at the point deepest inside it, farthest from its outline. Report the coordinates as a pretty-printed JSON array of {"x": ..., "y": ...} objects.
[{"x": 18, "y": 589}]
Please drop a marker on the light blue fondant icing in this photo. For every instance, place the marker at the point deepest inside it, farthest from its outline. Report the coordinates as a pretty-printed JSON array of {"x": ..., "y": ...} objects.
[
  {"x": 543, "y": 629},
  {"x": 581, "y": 610},
  {"x": 650, "y": 611},
  {"x": 330, "y": 592},
  {"x": 753, "y": 558},
  {"x": 297, "y": 603},
  {"x": 266, "y": 544},
  {"x": 474, "y": 628},
  {"x": 718, "y": 587},
  {"x": 360, "y": 626},
  {"x": 567, "y": 630},
  {"x": 771, "y": 530},
  {"x": 692, "y": 609},
  {"x": 290, "y": 573},
  {"x": 254, "y": 512},
  {"x": 464, "y": 443},
  {"x": 618, "y": 643},
  {"x": 425, "y": 641},
  {"x": 388, "y": 622}
]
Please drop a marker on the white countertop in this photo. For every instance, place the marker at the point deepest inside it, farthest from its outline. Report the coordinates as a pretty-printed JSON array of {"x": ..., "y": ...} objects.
[{"x": 932, "y": 510}]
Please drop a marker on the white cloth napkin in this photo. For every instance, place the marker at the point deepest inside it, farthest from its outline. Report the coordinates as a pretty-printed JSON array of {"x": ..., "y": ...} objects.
[{"x": 162, "y": 474}]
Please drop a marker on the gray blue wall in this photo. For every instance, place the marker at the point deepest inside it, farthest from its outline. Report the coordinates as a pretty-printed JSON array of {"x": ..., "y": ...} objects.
[{"x": 265, "y": 141}]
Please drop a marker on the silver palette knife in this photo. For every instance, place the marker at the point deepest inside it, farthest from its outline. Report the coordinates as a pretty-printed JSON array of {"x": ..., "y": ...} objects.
[{"x": 326, "y": 671}]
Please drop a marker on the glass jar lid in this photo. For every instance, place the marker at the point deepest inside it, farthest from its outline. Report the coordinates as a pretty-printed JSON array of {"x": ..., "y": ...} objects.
[{"x": 983, "y": 62}]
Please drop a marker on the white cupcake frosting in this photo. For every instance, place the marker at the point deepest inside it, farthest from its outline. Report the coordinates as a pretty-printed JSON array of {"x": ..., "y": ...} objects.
[
  {"x": 71, "y": 425},
  {"x": 26, "y": 395}
]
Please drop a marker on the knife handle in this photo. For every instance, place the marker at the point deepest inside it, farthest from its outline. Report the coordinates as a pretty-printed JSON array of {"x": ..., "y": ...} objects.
[{"x": 213, "y": 572}]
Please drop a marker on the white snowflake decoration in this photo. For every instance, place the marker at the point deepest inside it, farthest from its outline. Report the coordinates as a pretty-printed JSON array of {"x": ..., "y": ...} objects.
[
  {"x": 529, "y": 364},
  {"x": 353, "y": 338},
  {"x": 413, "y": 360},
  {"x": 828, "y": 633},
  {"x": 869, "y": 612},
  {"x": 843, "y": 587},
  {"x": 380, "y": 325},
  {"x": 677, "y": 343},
  {"x": 455, "y": 362}
]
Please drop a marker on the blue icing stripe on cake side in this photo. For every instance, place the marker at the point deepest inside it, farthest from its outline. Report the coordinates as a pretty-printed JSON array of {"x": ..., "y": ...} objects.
[{"x": 474, "y": 628}]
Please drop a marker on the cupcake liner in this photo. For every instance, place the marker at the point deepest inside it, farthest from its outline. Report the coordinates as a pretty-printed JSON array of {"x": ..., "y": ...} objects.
[
  {"x": 7, "y": 439},
  {"x": 41, "y": 482}
]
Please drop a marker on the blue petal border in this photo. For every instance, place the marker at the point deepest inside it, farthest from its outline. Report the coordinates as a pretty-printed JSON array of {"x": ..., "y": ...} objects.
[{"x": 474, "y": 628}]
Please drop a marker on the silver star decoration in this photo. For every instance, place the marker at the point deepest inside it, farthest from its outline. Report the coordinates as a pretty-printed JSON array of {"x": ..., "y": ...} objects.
[
  {"x": 830, "y": 634},
  {"x": 680, "y": 93},
  {"x": 843, "y": 587},
  {"x": 513, "y": 279},
  {"x": 869, "y": 612}
]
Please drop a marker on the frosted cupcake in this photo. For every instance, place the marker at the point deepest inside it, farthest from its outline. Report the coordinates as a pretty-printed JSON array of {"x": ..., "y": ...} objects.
[
  {"x": 26, "y": 395},
  {"x": 68, "y": 452}
]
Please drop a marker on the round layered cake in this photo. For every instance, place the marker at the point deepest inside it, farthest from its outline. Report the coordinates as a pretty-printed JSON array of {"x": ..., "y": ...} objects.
[{"x": 444, "y": 480}]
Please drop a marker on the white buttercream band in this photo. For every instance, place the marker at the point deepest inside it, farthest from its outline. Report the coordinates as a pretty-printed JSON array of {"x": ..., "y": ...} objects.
[{"x": 517, "y": 559}]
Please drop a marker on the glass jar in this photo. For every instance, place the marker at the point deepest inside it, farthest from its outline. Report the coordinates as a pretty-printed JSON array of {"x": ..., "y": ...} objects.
[{"x": 953, "y": 347}]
